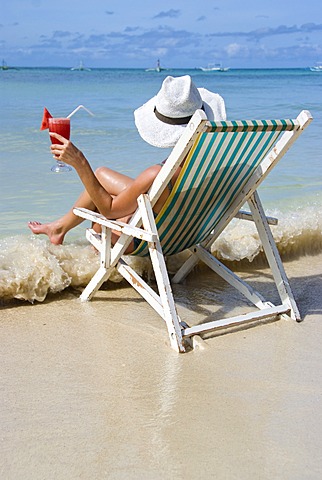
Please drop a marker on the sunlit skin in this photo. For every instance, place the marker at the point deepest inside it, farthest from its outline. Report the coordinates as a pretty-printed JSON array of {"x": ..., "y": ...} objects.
[{"x": 111, "y": 193}]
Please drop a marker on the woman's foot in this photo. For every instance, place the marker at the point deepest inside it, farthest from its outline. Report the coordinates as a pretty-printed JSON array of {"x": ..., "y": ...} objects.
[{"x": 52, "y": 230}]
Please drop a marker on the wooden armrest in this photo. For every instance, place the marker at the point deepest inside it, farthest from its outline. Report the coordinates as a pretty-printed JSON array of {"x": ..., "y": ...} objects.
[{"x": 243, "y": 215}]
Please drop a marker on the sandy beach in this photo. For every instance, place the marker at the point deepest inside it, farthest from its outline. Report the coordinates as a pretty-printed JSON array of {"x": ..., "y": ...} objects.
[{"x": 93, "y": 390}]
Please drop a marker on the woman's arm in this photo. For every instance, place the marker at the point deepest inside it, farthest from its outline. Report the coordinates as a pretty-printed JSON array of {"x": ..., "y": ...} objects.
[{"x": 112, "y": 207}]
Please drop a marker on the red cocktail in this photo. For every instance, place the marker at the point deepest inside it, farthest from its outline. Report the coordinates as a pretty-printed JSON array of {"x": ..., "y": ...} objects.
[{"x": 62, "y": 127}]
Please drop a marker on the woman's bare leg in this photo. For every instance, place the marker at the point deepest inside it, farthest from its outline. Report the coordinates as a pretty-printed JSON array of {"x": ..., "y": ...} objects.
[{"x": 112, "y": 181}]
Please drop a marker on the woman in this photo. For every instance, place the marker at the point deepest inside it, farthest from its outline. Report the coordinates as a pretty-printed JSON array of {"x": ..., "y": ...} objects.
[{"x": 160, "y": 122}]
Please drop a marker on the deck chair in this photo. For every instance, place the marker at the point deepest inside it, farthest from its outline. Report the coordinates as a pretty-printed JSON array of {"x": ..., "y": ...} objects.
[{"x": 223, "y": 165}]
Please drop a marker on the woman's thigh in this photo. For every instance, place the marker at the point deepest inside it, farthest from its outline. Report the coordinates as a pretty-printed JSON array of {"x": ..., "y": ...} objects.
[{"x": 113, "y": 182}]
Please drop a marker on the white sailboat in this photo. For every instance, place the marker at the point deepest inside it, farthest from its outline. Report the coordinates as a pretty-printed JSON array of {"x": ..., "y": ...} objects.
[
  {"x": 217, "y": 67},
  {"x": 4, "y": 66},
  {"x": 317, "y": 67},
  {"x": 157, "y": 68},
  {"x": 81, "y": 67}
]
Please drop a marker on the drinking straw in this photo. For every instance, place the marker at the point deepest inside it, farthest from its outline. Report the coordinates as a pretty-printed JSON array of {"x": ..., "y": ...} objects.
[{"x": 78, "y": 108}]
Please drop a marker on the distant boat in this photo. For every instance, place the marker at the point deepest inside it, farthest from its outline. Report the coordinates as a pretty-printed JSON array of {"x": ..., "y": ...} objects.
[
  {"x": 217, "y": 67},
  {"x": 4, "y": 66},
  {"x": 157, "y": 68},
  {"x": 81, "y": 67},
  {"x": 317, "y": 67}
]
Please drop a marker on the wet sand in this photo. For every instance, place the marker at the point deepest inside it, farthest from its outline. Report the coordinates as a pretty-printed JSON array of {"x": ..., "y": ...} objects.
[{"x": 93, "y": 391}]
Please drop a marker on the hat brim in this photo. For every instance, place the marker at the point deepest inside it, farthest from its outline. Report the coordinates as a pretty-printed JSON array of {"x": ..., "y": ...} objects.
[{"x": 160, "y": 134}]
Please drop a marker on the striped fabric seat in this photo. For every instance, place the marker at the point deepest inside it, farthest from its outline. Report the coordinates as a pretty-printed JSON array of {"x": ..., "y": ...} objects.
[{"x": 218, "y": 166}]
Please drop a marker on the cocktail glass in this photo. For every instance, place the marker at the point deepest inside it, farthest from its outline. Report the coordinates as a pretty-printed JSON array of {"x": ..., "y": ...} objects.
[{"x": 61, "y": 126}]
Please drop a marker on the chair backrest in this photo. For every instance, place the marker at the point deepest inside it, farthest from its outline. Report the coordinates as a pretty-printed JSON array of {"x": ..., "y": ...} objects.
[{"x": 222, "y": 160}]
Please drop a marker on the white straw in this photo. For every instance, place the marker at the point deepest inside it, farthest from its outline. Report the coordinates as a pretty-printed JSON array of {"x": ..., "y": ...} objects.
[{"x": 78, "y": 108}]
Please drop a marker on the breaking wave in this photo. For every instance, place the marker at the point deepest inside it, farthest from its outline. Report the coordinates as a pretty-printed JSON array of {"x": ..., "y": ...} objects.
[{"x": 31, "y": 268}]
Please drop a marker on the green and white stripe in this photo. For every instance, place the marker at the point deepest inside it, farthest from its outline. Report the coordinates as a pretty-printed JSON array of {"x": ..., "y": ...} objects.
[{"x": 218, "y": 166}]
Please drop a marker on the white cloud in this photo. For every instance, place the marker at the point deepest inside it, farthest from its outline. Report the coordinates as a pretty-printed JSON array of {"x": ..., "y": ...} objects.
[{"x": 235, "y": 50}]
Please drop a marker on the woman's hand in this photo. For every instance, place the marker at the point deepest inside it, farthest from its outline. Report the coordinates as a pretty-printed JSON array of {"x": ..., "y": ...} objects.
[{"x": 65, "y": 151}]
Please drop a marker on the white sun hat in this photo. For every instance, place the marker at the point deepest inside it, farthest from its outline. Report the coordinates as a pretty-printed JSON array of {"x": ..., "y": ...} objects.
[{"x": 162, "y": 119}]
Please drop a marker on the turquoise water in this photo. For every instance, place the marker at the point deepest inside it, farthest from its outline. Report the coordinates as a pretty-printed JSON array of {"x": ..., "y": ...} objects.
[{"x": 30, "y": 191}]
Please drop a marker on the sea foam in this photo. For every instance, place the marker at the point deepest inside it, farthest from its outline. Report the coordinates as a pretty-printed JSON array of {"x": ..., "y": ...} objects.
[
  {"x": 31, "y": 268},
  {"x": 297, "y": 233}
]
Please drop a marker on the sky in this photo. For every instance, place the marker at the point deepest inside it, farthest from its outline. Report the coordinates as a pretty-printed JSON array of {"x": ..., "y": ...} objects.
[{"x": 181, "y": 33}]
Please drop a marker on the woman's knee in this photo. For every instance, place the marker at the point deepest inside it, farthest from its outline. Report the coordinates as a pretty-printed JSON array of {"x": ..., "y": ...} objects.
[{"x": 100, "y": 172}]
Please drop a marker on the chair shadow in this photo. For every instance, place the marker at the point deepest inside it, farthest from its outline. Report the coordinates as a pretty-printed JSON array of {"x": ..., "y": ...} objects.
[{"x": 305, "y": 289}]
